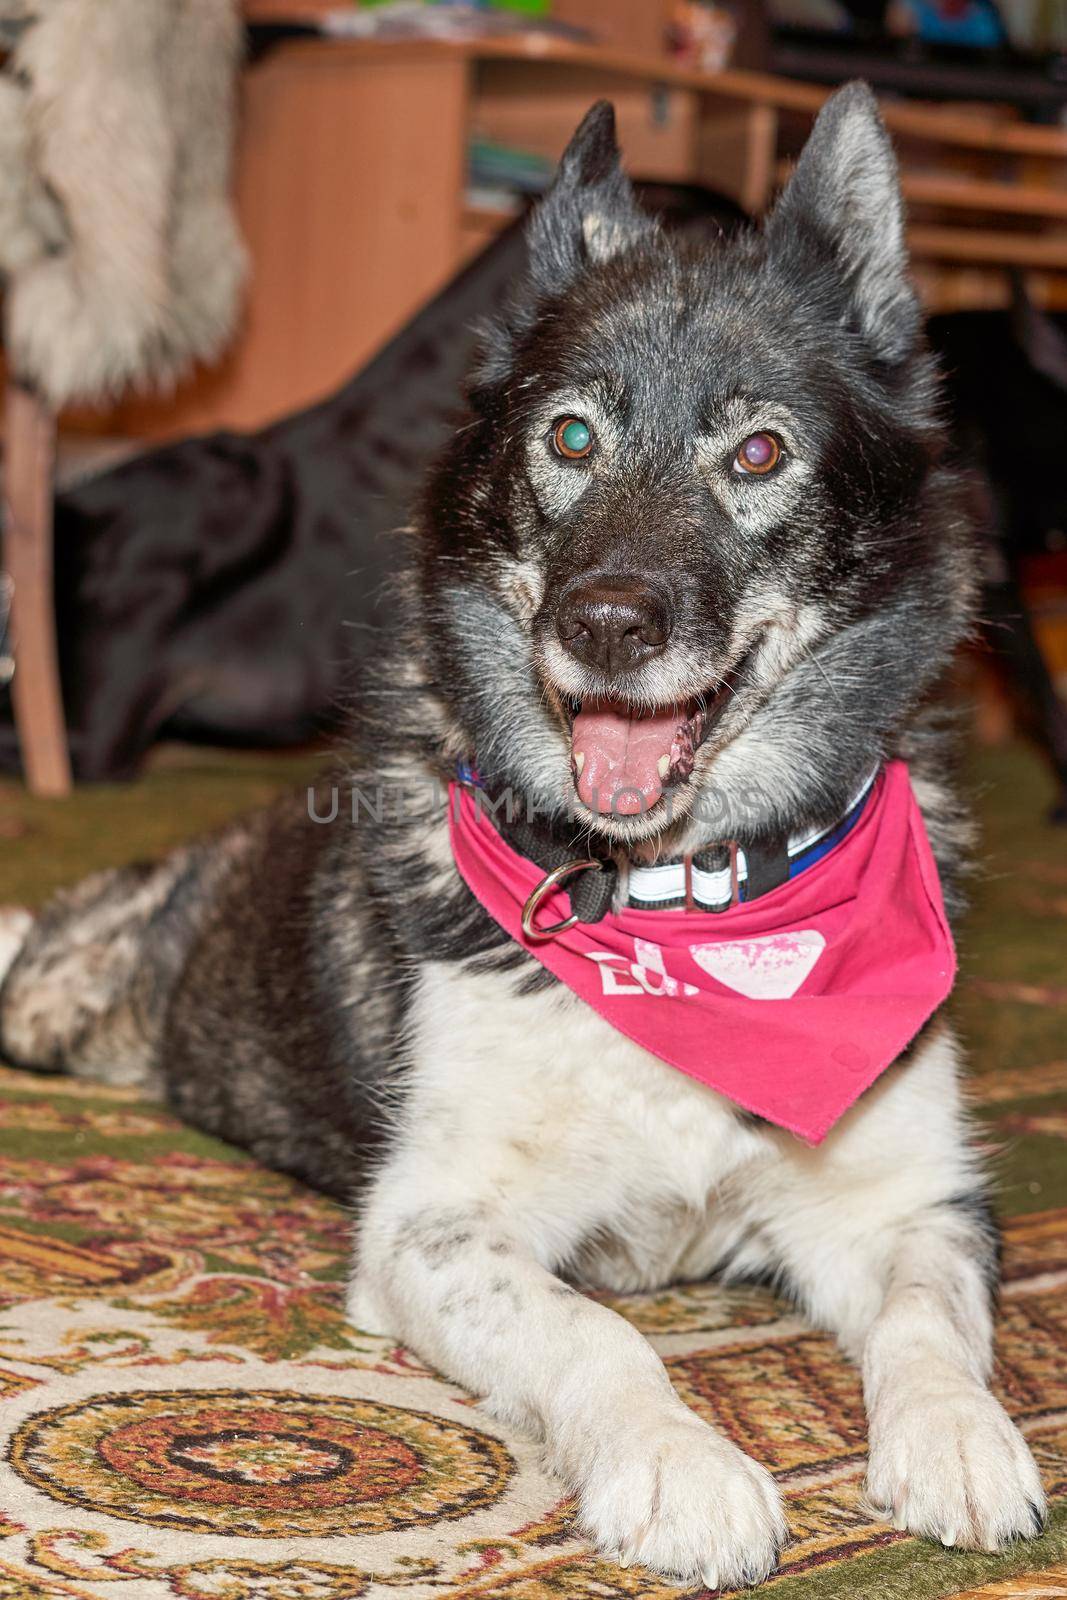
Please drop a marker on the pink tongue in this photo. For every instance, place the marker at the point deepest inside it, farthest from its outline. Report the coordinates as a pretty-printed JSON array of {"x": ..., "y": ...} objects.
[{"x": 622, "y": 755}]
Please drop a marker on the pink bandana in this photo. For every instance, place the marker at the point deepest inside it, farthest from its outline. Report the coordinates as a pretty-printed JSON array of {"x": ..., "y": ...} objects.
[{"x": 791, "y": 1005}]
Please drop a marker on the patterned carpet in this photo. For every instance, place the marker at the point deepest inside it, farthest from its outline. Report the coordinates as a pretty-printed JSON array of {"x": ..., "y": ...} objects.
[{"x": 184, "y": 1411}]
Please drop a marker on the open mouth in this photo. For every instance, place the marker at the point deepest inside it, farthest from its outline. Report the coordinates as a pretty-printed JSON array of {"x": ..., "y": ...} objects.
[{"x": 623, "y": 758}]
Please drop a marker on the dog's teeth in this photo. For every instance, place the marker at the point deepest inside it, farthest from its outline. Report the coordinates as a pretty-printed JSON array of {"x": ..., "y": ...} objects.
[
  {"x": 663, "y": 766},
  {"x": 579, "y": 761}
]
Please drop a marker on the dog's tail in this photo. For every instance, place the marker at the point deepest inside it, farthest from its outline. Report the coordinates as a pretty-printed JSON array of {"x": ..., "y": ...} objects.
[{"x": 85, "y": 987}]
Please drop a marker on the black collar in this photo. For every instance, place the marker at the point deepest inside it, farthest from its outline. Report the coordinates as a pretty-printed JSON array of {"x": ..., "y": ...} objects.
[{"x": 714, "y": 878}]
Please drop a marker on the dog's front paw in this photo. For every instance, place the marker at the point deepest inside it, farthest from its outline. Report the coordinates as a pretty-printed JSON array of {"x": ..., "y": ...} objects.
[
  {"x": 669, "y": 1492},
  {"x": 948, "y": 1463}
]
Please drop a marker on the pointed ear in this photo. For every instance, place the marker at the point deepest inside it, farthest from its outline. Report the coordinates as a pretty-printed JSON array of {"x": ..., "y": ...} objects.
[
  {"x": 590, "y": 212},
  {"x": 846, "y": 191}
]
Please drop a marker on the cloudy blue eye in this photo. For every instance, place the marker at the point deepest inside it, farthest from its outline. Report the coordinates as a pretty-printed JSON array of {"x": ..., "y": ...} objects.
[
  {"x": 760, "y": 453},
  {"x": 572, "y": 438}
]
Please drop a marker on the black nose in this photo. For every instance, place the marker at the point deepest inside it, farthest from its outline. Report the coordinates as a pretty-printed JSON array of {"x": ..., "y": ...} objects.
[{"x": 613, "y": 622}]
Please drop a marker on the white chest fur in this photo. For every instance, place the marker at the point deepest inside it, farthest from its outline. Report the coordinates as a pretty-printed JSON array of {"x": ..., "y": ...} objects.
[{"x": 547, "y": 1094}]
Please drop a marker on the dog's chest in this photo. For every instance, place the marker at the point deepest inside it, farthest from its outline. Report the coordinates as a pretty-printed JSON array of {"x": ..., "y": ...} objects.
[{"x": 543, "y": 1093}]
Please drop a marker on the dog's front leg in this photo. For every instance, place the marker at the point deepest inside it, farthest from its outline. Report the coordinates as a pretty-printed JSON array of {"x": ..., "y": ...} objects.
[
  {"x": 886, "y": 1236},
  {"x": 945, "y": 1459},
  {"x": 501, "y": 1171},
  {"x": 461, "y": 1283}
]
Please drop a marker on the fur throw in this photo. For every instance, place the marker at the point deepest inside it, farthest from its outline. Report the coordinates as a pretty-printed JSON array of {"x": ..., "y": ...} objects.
[{"x": 117, "y": 238}]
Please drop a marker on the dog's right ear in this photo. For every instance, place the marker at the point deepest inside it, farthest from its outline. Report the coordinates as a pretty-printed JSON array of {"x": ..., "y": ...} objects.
[{"x": 590, "y": 212}]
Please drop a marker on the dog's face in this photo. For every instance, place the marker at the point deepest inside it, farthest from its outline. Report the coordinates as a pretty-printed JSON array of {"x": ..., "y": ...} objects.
[{"x": 690, "y": 472}]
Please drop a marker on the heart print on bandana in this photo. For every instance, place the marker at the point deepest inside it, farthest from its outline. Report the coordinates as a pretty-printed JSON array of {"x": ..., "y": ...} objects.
[{"x": 772, "y": 967}]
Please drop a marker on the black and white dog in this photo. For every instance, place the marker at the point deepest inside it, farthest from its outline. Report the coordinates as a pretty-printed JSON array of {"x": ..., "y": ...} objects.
[{"x": 698, "y": 505}]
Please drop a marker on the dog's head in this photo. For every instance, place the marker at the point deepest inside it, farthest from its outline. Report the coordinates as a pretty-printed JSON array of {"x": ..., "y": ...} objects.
[{"x": 694, "y": 538}]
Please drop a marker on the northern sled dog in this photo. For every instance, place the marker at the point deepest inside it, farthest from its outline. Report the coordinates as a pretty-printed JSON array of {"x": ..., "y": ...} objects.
[{"x": 698, "y": 504}]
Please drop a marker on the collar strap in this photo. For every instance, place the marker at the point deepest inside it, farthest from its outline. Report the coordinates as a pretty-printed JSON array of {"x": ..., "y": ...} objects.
[
  {"x": 591, "y": 893},
  {"x": 713, "y": 879},
  {"x": 721, "y": 875}
]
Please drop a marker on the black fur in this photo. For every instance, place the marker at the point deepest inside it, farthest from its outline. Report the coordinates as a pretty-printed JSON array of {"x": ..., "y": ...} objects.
[{"x": 976, "y": 1206}]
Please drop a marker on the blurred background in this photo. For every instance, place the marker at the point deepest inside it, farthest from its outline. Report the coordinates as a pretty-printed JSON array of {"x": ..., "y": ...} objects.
[{"x": 243, "y": 247}]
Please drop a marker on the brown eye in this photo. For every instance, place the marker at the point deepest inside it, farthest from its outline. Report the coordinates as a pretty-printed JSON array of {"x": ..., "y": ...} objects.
[
  {"x": 572, "y": 438},
  {"x": 760, "y": 453}
]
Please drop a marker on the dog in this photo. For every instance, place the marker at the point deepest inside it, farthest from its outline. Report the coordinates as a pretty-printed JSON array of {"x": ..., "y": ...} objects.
[{"x": 684, "y": 586}]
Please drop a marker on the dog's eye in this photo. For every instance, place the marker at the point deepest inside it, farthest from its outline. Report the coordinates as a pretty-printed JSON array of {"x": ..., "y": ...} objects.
[
  {"x": 573, "y": 438},
  {"x": 759, "y": 454}
]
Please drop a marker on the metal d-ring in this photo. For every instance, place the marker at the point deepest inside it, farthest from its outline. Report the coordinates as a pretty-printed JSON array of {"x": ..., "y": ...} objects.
[{"x": 544, "y": 889}]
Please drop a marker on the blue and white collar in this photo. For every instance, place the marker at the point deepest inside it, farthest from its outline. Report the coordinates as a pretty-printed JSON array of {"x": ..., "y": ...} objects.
[
  {"x": 713, "y": 879},
  {"x": 722, "y": 875}
]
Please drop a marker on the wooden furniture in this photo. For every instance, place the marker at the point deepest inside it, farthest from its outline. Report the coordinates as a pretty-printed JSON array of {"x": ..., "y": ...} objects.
[
  {"x": 351, "y": 187},
  {"x": 29, "y": 443}
]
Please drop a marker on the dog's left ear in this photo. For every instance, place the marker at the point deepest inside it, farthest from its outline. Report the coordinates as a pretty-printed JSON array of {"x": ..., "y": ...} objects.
[
  {"x": 846, "y": 191},
  {"x": 590, "y": 212}
]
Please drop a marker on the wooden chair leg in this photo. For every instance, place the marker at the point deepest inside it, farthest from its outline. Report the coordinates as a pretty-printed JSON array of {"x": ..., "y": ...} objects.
[{"x": 26, "y": 554}]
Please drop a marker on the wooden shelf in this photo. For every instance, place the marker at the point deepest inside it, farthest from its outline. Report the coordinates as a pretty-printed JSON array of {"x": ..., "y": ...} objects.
[
  {"x": 490, "y": 217},
  {"x": 973, "y": 194},
  {"x": 984, "y": 246},
  {"x": 977, "y": 130}
]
